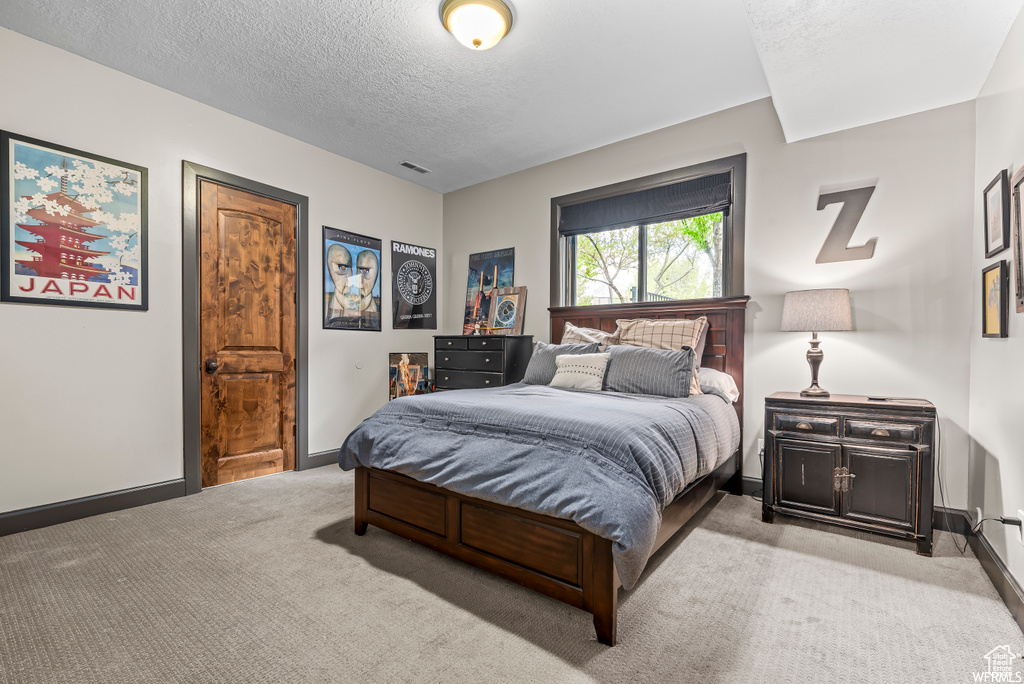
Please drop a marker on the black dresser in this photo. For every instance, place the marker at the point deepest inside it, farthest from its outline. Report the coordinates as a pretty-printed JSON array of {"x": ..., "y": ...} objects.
[
  {"x": 853, "y": 461},
  {"x": 473, "y": 362}
]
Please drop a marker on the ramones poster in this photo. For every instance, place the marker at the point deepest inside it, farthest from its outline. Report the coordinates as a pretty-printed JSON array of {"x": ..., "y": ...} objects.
[
  {"x": 351, "y": 281},
  {"x": 413, "y": 287}
]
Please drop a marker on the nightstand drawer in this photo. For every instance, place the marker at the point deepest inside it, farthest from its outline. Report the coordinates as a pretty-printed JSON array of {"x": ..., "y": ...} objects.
[
  {"x": 469, "y": 360},
  {"x": 811, "y": 425},
  {"x": 449, "y": 343},
  {"x": 454, "y": 379},
  {"x": 880, "y": 430}
]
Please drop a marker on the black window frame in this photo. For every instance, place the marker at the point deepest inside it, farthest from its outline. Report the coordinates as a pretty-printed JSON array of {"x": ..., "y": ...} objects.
[{"x": 563, "y": 248}]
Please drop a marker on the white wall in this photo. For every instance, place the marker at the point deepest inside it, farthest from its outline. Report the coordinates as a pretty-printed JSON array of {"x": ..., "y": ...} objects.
[
  {"x": 91, "y": 399},
  {"x": 997, "y": 365},
  {"x": 910, "y": 301}
]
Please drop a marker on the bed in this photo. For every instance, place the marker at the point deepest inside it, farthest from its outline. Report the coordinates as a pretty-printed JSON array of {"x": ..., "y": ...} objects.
[{"x": 577, "y": 561}]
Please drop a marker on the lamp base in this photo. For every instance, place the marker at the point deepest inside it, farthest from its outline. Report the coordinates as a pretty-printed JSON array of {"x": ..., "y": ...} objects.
[
  {"x": 815, "y": 391},
  {"x": 814, "y": 358}
]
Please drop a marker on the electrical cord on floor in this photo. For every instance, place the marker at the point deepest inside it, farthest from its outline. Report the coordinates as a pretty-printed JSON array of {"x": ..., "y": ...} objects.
[
  {"x": 942, "y": 493},
  {"x": 754, "y": 494}
]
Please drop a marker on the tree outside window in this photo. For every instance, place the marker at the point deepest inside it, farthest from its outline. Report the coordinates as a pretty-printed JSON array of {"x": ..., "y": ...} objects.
[{"x": 679, "y": 259}]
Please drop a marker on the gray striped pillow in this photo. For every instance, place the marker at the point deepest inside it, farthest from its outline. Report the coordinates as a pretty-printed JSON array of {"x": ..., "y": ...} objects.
[
  {"x": 542, "y": 364},
  {"x": 642, "y": 370}
]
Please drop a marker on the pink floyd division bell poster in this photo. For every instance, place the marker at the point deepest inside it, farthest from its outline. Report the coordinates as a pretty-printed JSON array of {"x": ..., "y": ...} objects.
[{"x": 73, "y": 227}]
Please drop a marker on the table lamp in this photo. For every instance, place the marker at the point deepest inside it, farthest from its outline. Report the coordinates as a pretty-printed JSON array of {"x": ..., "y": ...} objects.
[{"x": 816, "y": 311}]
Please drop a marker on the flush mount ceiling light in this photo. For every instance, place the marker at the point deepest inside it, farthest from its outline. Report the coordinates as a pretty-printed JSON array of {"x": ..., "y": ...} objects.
[{"x": 477, "y": 24}]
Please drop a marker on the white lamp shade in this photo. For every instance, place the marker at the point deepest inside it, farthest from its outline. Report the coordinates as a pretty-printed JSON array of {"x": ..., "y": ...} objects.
[
  {"x": 477, "y": 24},
  {"x": 816, "y": 311}
]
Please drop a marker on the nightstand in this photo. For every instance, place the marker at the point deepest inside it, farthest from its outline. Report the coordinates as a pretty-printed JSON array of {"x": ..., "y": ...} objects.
[
  {"x": 859, "y": 462},
  {"x": 478, "y": 361}
]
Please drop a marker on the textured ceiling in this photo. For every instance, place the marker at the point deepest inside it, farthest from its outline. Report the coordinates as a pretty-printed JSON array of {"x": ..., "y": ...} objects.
[
  {"x": 837, "y": 64},
  {"x": 381, "y": 81}
]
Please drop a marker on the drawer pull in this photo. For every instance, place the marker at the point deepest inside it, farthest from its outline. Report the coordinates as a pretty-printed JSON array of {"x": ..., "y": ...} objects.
[
  {"x": 483, "y": 344},
  {"x": 449, "y": 343},
  {"x": 803, "y": 425},
  {"x": 486, "y": 360},
  {"x": 487, "y": 382},
  {"x": 446, "y": 377},
  {"x": 446, "y": 358},
  {"x": 880, "y": 432}
]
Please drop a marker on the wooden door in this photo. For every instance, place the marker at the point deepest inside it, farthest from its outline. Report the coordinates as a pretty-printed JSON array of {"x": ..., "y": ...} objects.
[
  {"x": 806, "y": 475},
  {"x": 883, "y": 486},
  {"x": 247, "y": 345}
]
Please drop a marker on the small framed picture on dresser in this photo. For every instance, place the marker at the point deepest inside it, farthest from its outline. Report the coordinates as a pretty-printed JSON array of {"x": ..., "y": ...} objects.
[
  {"x": 994, "y": 294},
  {"x": 1018, "y": 262},
  {"x": 997, "y": 215}
]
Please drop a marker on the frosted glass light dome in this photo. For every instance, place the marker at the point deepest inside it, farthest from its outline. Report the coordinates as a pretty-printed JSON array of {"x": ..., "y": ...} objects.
[{"x": 477, "y": 24}]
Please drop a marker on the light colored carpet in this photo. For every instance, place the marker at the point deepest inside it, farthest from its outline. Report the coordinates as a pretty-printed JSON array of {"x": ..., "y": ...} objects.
[{"x": 264, "y": 581}]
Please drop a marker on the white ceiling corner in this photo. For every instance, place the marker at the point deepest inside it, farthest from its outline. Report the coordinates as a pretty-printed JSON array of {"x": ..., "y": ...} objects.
[{"x": 843, "y": 63}]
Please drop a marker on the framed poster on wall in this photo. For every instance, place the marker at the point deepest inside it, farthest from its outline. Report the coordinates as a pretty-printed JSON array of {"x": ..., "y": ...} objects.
[
  {"x": 488, "y": 271},
  {"x": 1015, "y": 213},
  {"x": 994, "y": 293},
  {"x": 351, "y": 281},
  {"x": 997, "y": 215},
  {"x": 73, "y": 227},
  {"x": 413, "y": 287}
]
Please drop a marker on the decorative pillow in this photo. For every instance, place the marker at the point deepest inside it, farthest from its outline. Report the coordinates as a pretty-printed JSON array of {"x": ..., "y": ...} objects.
[
  {"x": 580, "y": 371},
  {"x": 642, "y": 370},
  {"x": 574, "y": 334},
  {"x": 666, "y": 334},
  {"x": 723, "y": 382},
  {"x": 698, "y": 350},
  {"x": 542, "y": 364}
]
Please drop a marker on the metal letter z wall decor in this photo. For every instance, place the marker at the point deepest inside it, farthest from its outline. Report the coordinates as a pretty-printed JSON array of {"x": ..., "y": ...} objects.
[{"x": 837, "y": 244}]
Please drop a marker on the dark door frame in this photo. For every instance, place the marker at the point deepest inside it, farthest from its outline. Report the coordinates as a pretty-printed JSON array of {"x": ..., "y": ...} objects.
[{"x": 192, "y": 370}]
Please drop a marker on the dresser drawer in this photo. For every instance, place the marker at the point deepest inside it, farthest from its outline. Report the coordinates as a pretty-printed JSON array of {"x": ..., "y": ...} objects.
[
  {"x": 469, "y": 360},
  {"x": 449, "y": 343},
  {"x": 811, "y": 425},
  {"x": 454, "y": 379},
  {"x": 484, "y": 343},
  {"x": 883, "y": 430}
]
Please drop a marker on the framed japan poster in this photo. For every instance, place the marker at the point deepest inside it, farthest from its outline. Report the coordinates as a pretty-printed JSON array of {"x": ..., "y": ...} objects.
[
  {"x": 413, "y": 287},
  {"x": 73, "y": 226},
  {"x": 351, "y": 281}
]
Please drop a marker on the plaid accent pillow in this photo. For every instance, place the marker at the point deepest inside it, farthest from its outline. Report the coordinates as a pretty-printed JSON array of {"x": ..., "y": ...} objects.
[
  {"x": 664, "y": 334},
  {"x": 573, "y": 334}
]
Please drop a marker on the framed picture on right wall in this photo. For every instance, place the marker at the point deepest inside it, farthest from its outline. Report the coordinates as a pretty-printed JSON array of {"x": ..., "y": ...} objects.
[
  {"x": 997, "y": 215},
  {"x": 994, "y": 293},
  {"x": 1018, "y": 262}
]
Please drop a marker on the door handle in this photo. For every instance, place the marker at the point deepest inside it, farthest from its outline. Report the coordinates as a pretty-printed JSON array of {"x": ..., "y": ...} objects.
[{"x": 211, "y": 366}]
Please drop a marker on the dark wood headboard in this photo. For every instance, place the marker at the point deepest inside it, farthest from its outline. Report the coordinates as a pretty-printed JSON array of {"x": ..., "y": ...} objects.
[{"x": 726, "y": 318}]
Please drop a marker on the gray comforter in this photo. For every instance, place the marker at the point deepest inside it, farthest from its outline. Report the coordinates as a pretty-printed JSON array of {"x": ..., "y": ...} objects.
[{"x": 608, "y": 461}]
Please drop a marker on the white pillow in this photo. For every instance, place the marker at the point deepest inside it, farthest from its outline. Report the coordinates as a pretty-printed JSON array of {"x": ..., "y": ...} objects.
[
  {"x": 723, "y": 382},
  {"x": 580, "y": 371}
]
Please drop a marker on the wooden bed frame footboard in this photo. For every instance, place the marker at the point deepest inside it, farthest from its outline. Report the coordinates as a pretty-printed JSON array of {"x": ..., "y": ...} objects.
[{"x": 555, "y": 557}]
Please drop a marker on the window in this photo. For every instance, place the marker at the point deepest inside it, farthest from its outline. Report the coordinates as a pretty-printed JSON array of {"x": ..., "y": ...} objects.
[{"x": 676, "y": 235}]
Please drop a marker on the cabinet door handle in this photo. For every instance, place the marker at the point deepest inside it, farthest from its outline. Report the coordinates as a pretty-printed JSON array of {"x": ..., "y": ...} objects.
[
  {"x": 803, "y": 425},
  {"x": 880, "y": 432}
]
